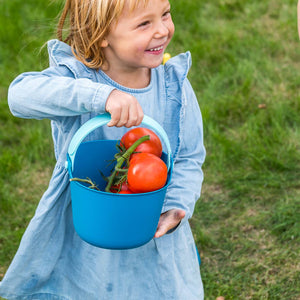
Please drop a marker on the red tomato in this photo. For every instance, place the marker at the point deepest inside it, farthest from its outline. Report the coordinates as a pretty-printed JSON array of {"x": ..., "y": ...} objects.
[
  {"x": 123, "y": 190},
  {"x": 146, "y": 173},
  {"x": 153, "y": 145}
]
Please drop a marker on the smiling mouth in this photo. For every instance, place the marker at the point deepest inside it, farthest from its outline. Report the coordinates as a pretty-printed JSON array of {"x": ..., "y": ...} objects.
[{"x": 156, "y": 49}]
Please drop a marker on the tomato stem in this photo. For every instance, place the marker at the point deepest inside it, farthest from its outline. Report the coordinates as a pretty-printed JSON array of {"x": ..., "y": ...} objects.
[
  {"x": 124, "y": 157},
  {"x": 88, "y": 180}
]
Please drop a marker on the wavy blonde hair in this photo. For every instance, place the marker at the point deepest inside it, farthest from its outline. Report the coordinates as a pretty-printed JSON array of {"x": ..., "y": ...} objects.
[{"x": 86, "y": 24}]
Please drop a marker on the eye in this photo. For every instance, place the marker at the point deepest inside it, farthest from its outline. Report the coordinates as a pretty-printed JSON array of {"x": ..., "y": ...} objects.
[
  {"x": 144, "y": 24},
  {"x": 166, "y": 14}
]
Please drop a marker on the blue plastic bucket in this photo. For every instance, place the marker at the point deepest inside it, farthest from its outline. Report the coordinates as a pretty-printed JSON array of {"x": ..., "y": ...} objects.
[{"x": 108, "y": 220}]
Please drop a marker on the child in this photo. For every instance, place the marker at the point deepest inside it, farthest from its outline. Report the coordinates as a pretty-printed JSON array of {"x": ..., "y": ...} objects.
[{"x": 110, "y": 61}]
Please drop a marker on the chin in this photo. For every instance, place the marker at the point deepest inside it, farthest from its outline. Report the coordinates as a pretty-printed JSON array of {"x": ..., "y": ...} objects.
[{"x": 155, "y": 64}]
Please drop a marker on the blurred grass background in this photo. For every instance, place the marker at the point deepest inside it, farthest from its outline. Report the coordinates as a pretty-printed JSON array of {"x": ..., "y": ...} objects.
[{"x": 246, "y": 75}]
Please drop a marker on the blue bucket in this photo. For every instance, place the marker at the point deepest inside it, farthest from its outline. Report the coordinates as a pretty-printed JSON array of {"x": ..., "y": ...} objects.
[{"x": 109, "y": 220}]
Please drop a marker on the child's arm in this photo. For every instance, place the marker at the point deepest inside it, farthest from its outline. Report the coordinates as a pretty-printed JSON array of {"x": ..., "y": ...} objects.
[
  {"x": 187, "y": 176},
  {"x": 54, "y": 93}
]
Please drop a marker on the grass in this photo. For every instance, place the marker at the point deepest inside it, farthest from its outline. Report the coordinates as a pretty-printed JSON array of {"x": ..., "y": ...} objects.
[{"x": 246, "y": 75}]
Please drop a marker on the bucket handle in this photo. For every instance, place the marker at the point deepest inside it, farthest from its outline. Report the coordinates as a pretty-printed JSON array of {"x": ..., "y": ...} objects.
[{"x": 103, "y": 119}]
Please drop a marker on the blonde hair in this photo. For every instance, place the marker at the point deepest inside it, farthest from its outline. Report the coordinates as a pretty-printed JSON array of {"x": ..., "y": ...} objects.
[{"x": 88, "y": 23}]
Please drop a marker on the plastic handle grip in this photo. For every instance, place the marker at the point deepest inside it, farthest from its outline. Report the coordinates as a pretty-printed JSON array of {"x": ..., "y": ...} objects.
[{"x": 103, "y": 119}]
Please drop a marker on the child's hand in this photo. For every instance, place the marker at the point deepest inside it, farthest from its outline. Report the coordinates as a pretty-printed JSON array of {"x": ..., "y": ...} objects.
[
  {"x": 124, "y": 109},
  {"x": 169, "y": 220}
]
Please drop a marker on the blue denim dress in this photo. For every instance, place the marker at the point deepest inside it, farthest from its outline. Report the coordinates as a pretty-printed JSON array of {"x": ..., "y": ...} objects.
[{"x": 52, "y": 262}]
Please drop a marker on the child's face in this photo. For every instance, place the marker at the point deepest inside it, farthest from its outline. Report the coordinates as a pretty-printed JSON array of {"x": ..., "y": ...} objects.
[{"x": 139, "y": 38}]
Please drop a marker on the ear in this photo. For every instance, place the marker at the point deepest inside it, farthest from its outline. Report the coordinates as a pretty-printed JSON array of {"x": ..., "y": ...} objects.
[{"x": 104, "y": 43}]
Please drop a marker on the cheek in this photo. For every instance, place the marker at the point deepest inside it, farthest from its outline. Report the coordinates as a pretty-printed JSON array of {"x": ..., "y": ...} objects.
[
  {"x": 141, "y": 45},
  {"x": 171, "y": 29},
  {"x": 140, "y": 49}
]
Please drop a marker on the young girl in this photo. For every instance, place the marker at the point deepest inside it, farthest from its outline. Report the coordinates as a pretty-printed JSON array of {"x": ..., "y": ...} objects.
[{"x": 110, "y": 61}]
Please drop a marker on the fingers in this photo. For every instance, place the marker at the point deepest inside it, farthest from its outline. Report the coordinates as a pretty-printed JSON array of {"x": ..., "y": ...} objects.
[
  {"x": 132, "y": 116},
  {"x": 119, "y": 116},
  {"x": 168, "y": 221},
  {"x": 124, "y": 109},
  {"x": 136, "y": 116}
]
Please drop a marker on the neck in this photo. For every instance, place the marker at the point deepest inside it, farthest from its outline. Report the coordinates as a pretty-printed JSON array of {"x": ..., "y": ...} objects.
[{"x": 135, "y": 79}]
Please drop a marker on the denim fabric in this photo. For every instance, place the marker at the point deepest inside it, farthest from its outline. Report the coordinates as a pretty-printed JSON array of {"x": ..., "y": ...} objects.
[{"x": 52, "y": 262}]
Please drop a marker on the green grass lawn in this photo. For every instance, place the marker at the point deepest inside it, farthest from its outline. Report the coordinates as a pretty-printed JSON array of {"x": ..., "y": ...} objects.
[{"x": 246, "y": 74}]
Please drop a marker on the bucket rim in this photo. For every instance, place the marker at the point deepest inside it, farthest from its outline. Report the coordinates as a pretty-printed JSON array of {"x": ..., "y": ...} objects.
[{"x": 101, "y": 120}]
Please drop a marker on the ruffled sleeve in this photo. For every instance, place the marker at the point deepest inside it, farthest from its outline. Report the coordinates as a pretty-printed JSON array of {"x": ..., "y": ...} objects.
[
  {"x": 67, "y": 88},
  {"x": 185, "y": 131},
  {"x": 176, "y": 70}
]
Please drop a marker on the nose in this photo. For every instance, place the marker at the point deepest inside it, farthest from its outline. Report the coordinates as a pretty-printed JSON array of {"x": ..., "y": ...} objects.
[{"x": 161, "y": 29}]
